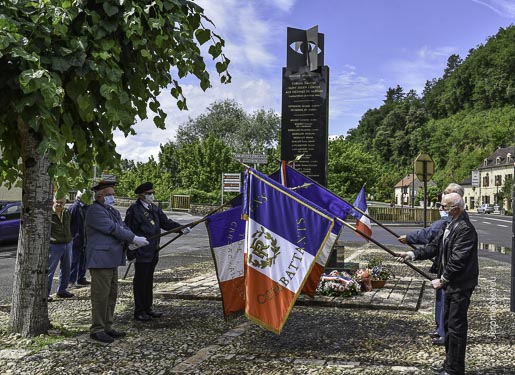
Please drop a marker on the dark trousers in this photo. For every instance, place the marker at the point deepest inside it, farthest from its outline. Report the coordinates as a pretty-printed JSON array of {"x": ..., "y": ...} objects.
[
  {"x": 78, "y": 268},
  {"x": 456, "y": 326},
  {"x": 142, "y": 285}
]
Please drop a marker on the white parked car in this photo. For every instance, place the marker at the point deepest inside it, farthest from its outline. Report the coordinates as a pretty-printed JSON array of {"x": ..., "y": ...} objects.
[{"x": 485, "y": 209}]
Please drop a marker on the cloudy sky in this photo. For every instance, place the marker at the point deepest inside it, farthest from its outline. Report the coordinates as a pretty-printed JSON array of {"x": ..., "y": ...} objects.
[{"x": 370, "y": 45}]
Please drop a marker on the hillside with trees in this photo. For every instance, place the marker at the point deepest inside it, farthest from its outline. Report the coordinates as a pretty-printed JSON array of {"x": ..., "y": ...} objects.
[{"x": 459, "y": 119}]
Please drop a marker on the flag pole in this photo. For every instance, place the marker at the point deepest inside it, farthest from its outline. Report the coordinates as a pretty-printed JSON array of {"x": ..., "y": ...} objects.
[
  {"x": 363, "y": 213},
  {"x": 178, "y": 230},
  {"x": 378, "y": 223},
  {"x": 409, "y": 264}
]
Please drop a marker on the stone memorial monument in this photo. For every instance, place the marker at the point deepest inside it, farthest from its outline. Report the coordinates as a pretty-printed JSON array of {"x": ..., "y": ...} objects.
[{"x": 305, "y": 104}]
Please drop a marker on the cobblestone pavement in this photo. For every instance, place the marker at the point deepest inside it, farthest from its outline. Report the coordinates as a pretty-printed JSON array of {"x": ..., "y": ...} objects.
[{"x": 379, "y": 332}]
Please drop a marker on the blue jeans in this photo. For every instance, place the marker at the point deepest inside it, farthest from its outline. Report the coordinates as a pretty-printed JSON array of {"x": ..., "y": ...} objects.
[{"x": 59, "y": 252}]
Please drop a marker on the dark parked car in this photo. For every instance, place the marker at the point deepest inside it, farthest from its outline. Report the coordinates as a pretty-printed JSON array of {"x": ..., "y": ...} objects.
[
  {"x": 485, "y": 209},
  {"x": 9, "y": 221}
]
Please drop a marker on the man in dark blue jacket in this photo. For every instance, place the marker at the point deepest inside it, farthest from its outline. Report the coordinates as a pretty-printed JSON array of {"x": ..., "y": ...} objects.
[
  {"x": 456, "y": 249},
  {"x": 78, "y": 267},
  {"x": 146, "y": 219}
]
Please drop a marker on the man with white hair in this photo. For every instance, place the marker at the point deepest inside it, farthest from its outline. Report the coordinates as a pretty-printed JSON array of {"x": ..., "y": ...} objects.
[{"x": 456, "y": 248}]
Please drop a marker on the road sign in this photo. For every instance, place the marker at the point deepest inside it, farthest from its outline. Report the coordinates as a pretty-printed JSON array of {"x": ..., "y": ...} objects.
[
  {"x": 251, "y": 158},
  {"x": 424, "y": 167},
  {"x": 231, "y": 182}
]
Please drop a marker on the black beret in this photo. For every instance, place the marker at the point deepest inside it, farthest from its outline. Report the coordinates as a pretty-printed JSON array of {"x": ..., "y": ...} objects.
[
  {"x": 103, "y": 184},
  {"x": 144, "y": 187}
]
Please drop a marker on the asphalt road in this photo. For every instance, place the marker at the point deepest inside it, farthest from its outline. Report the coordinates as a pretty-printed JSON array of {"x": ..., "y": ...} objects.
[{"x": 494, "y": 232}]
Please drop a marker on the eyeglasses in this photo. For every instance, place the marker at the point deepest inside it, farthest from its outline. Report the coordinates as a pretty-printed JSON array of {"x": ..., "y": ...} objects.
[{"x": 446, "y": 206}]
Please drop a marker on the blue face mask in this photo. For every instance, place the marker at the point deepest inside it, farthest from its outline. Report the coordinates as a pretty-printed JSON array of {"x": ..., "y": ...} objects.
[
  {"x": 444, "y": 215},
  {"x": 109, "y": 200}
]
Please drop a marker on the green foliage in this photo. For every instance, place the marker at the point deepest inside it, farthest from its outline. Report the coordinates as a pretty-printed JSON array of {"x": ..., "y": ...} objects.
[
  {"x": 350, "y": 166},
  {"x": 242, "y": 132},
  {"x": 75, "y": 72}
]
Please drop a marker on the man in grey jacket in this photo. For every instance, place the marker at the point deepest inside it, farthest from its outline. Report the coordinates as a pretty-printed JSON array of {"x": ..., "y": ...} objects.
[{"x": 107, "y": 235}]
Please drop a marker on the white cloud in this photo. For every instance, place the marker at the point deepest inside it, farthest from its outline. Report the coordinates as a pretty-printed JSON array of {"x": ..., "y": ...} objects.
[
  {"x": 413, "y": 72},
  {"x": 352, "y": 94},
  {"x": 284, "y": 5},
  {"x": 504, "y": 8}
]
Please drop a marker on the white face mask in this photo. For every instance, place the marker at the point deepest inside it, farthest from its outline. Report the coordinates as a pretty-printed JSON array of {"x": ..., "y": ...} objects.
[
  {"x": 109, "y": 200},
  {"x": 149, "y": 198}
]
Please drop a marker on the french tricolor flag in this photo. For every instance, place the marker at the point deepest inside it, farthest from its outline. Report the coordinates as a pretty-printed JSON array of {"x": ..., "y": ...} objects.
[
  {"x": 324, "y": 198},
  {"x": 227, "y": 236},
  {"x": 362, "y": 221},
  {"x": 285, "y": 234}
]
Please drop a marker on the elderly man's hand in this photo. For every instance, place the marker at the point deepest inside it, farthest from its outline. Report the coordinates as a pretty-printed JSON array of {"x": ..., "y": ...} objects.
[
  {"x": 403, "y": 239},
  {"x": 405, "y": 255},
  {"x": 437, "y": 283}
]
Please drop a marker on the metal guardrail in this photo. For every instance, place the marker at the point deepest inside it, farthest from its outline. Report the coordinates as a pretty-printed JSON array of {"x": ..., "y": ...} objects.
[{"x": 402, "y": 214}]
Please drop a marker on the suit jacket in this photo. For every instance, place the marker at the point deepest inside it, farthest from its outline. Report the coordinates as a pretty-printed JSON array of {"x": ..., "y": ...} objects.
[
  {"x": 78, "y": 216},
  {"x": 148, "y": 222},
  {"x": 107, "y": 236},
  {"x": 457, "y": 257}
]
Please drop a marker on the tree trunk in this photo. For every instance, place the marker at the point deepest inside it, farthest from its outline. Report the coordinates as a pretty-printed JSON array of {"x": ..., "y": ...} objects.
[{"x": 29, "y": 309}]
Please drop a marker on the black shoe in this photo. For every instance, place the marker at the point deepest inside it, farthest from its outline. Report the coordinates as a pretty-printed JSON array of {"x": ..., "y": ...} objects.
[
  {"x": 438, "y": 367},
  {"x": 102, "y": 337},
  {"x": 155, "y": 314},
  {"x": 83, "y": 282},
  {"x": 115, "y": 334},
  {"x": 50, "y": 299},
  {"x": 434, "y": 335},
  {"x": 142, "y": 317},
  {"x": 65, "y": 294},
  {"x": 438, "y": 341}
]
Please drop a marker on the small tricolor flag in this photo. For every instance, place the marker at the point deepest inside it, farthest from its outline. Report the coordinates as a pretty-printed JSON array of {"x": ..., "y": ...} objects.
[
  {"x": 284, "y": 236},
  {"x": 362, "y": 221}
]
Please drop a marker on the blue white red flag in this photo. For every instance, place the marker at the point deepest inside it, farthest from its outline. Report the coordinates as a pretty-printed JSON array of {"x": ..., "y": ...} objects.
[
  {"x": 362, "y": 222},
  {"x": 284, "y": 236},
  {"x": 226, "y": 232},
  {"x": 324, "y": 198}
]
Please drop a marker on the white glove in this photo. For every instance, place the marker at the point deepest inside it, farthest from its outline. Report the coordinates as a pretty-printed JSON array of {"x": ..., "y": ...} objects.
[
  {"x": 138, "y": 241},
  {"x": 186, "y": 230}
]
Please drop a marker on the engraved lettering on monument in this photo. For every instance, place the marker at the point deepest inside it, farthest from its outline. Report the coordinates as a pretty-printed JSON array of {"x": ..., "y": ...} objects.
[{"x": 304, "y": 127}]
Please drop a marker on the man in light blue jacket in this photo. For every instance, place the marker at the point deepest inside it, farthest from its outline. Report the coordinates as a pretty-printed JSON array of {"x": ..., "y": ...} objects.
[{"x": 107, "y": 236}]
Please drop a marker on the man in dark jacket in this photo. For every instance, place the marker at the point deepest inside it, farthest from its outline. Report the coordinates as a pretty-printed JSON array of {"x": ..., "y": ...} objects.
[
  {"x": 458, "y": 271},
  {"x": 78, "y": 268},
  {"x": 423, "y": 237},
  {"x": 146, "y": 219}
]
